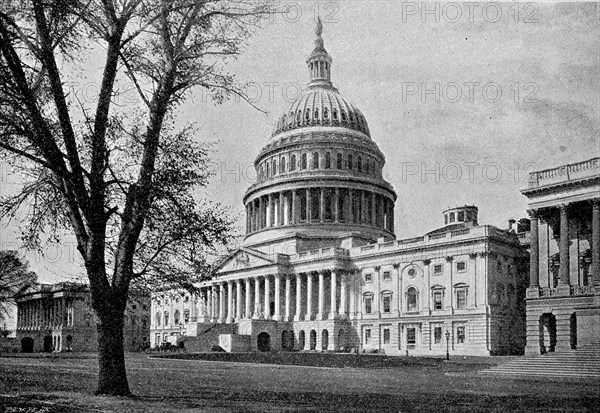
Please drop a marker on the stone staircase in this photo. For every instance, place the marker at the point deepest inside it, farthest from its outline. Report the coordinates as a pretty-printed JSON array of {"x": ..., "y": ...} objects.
[{"x": 581, "y": 363}]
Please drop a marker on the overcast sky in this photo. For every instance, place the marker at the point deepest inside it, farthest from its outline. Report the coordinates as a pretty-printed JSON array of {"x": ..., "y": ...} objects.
[{"x": 509, "y": 88}]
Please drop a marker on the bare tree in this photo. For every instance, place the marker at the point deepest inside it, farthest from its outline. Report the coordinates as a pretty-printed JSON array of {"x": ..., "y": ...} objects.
[
  {"x": 14, "y": 275},
  {"x": 120, "y": 178}
]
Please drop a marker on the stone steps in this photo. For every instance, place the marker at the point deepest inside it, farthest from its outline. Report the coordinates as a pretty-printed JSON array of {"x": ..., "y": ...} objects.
[{"x": 580, "y": 363}]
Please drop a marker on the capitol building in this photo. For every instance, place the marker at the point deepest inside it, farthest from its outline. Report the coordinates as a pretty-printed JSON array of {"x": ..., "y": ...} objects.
[{"x": 321, "y": 268}]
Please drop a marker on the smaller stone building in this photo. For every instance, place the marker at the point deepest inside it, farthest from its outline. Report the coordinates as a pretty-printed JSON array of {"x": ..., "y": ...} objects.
[{"x": 59, "y": 317}]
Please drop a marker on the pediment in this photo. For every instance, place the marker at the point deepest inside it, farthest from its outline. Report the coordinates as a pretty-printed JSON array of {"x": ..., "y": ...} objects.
[{"x": 244, "y": 259}]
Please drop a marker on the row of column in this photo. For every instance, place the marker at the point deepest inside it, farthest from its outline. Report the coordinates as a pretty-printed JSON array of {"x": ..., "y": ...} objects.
[
  {"x": 563, "y": 247},
  {"x": 219, "y": 304},
  {"x": 353, "y": 206},
  {"x": 36, "y": 313}
]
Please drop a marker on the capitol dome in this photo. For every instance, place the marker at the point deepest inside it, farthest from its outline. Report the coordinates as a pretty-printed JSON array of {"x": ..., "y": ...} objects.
[{"x": 319, "y": 177}]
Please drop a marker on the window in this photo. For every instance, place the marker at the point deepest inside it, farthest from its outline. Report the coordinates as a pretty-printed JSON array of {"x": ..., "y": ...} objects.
[
  {"x": 326, "y": 114},
  {"x": 460, "y": 334},
  {"x": 340, "y": 161},
  {"x": 157, "y": 318},
  {"x": 411, "y": 336},
  {"x": 412, "y": 272},
  {"x": 461, "y": 266},
  {"x": 461, "y": 216},
  {"x": 445, "y": 219},
  {"x": 368, "y": 277},
  {"x": 350, "y": 162},
  {"x": 367, "y": 166},
  {"x": 359, "y": 164},
  {"x": 438, "y": 269},
  {"x": 274, "y": 167},
  {"x": 367, "y": 336},
  {"x": 438, "y": 300},
  {"x": 315, "y": 163},
  {"x": 293, "y": 163},
  {"x": 282, "y": 165},
  {"x": 166, "y": 317},
  {"x": 387, "y": 300},
  {"x": 461, "y": 298},
  {"x": 157, "y": 339},
  {"x": 387, "y": 276},
  {"x": 452, "y": 217},
  {"x": 186, "y": 316},
  {"x": 386, "y": 336},
  {"x": 327, "y": 160},
  {"x": 303, "y": 208},
  {"x": 304, "y": 161},
  {"x": 368, "y": 304},
  {"x": 268, "y": 174},
  {"x": 411, "y": 299},
  {"x": 316, "y": 114},
  {"x": 176, "y": 317},
  {"x": 437, "y": 335}
]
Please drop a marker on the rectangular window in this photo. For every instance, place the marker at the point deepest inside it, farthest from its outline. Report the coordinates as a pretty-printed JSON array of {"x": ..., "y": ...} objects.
[
  {"x": 411, "y": 336},
  {"x": 368, "y": 278},
  {"x": 438, "y": 300},
  {"x": 437, "y": 269},
  {"x": 437, "y": 335},
  {"x": 387, "y": 276},
  {"x": 387, "y": 303},
  {"x": 157, "y": 339},
  {"x": 386, "y": 336},
  {"x": 461, "y": 299},
  {"x": 367, "y": 336},
  {"x": 461, "y": 266},
  {"x": 368, "y": 304},
  {"x": 460, "y": 334}
]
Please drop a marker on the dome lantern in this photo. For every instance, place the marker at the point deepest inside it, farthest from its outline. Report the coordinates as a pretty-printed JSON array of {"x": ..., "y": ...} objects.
[{"x": 319, "y": 62}]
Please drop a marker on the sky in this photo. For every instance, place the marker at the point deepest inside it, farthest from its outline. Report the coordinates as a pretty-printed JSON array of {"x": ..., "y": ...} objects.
[{"x": 463, "y": 100}]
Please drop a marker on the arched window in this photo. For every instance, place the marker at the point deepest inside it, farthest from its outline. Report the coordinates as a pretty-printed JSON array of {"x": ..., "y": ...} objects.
[
  {"x": 186, "y": 316},
  {"x": 307, "y": 114},
  {"x": 166, "y": 317},
  {"x": 350, "y": 162},
  {"x": 298, "y": 117},
  {"x": 157, "y": 319},
  {"x": 316, "y": 114},
  {"x": 343, "y": 116},
  {"x": 176, "y": 317},
  {"x": 359, "y": 164},
  {"x": 274, "y": 167},
  {"x": 326, "y": 114},
  {"x": 335, "y": 114},
  {"x": 291, "y": 118},
  {"x": 293, "y": 163},
  {"x": 315, "y": 163},
  {"x": 327, "y": 160},
  {"x": 282, "y": 165},
  {"x": 261, "y": 172},
  {"x": 268, "y": 169},
  {"x": 340, "y": 161},
  {"x": 411, "y": 299},
  {"x": 304, "y": 162},
  {"x": 452, "y": 219}
]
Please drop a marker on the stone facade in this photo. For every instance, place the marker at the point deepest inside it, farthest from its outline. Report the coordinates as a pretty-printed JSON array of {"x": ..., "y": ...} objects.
[
  {"x": 321, "y": 268},
  {"x": 563, "y": 298},
  {"x": 59, "y": 317}
]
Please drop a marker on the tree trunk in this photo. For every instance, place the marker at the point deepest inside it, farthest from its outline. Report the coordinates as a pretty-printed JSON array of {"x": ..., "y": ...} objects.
[{"x": 112, "y": 378}]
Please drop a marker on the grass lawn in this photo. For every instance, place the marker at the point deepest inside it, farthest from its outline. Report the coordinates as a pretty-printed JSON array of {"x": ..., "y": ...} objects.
[{"x": 66, "y": 384}]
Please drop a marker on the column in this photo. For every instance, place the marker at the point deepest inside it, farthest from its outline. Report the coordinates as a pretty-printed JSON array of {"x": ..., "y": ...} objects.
[
  {"x": 596, "y": 242},
  {"x": 298, "y": 315},
  {"x": 564, "y": 245},
  {"x": 281, "y": 210},
  {"x": 373, "y": 209},
  {"x": 267, "y": 312},
  {"x": 209, "y": 303},
  {"x": 270, "y": 210},
  {"x": 256, "y": 298},
  {"x": 288, "y": 297},
  {"x": 322, "y": 205},
  {"x": 308, "y": 206},
  {"x": 221, "y": 303},
  {"x": 333, "y": 299},
  {"x": 277, "y": 313},
  {"x": 534, "y": 256},
  {"x": 248, "y": 313},
  {"x": 229, "y": 301},
  {"x": 261, "y": 220},
  {"x": 294, "y": 207},
  {"x": 321, "y": 293},
  {"x": 343, "y": 294},
  {"x": 352, "y": 295},
  {"x": 238, "y": 304},
  {"x": 336, "y": 205},
  {"x": 308, "y": 314}
]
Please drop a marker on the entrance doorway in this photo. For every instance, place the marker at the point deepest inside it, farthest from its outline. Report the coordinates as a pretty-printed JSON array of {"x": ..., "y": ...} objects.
[
  {"x": 324, "y": 340},
  {"x": 47, "y": 344},
  {"x": 26, "y": 345},
  {"x": 263, "y": 342},
  {"x": 547, "y": 333},
  {"x": 313, "y": 340},
  {"x": 342, "y": 340}
]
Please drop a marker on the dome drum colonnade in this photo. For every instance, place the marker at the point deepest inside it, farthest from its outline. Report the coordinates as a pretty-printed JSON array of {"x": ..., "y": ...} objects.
[{"x": 320, "y": 169}]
